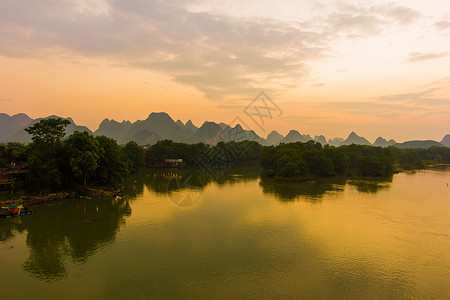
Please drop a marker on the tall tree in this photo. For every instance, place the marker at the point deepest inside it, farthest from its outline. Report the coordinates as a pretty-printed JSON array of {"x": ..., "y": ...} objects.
[
  {"x": 48, "y": 130},
  {"x": 84, "y": 154},
  {"x": 135, "y": 154}
]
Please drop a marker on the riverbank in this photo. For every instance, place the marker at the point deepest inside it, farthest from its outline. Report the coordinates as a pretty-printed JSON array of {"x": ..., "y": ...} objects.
[{"x": 27, "y": 199}]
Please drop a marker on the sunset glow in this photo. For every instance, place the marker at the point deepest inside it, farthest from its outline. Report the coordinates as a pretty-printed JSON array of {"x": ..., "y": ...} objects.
[{"x": 379, "y": 68}]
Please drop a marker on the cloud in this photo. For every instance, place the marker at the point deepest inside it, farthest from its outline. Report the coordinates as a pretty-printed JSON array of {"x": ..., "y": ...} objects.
[
  {"x": 417, "y": 105},
  {"x": 401, "y": 14},
  {"x": 444, "y": 23},
  {"x": 6, "y": 100},
  {"x": 422, "y": 56},
  {"x": 422, "y": 99},
  {"x": 359, "y": 21},
  {"x": 220, "y": 55}
]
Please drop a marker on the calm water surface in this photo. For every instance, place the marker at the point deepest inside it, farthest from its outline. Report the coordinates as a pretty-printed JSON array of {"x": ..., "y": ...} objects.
[{"x": 178, "y": 236}]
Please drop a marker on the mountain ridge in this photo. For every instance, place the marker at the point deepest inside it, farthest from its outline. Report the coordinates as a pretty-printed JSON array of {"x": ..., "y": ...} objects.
[{"x": 159, "y": 126}]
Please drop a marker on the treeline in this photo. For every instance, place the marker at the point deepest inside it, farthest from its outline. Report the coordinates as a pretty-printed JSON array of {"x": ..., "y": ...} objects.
[
  {"x": 202, "y": 154},
  {"x": 301, "y": 161},
  {"x": 80, "y": 159},
  {"x": 83, "y": 159},
  {"x": 55, "y": 163}
]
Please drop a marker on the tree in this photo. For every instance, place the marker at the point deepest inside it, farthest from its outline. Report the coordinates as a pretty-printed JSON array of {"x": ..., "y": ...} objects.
[
  {"x": 373, "y": 166},
  {"x": 113, "y": 165},
  {"x": 135, "y": 154},
  {"x": 46, "y": 159},
  {"x": 48, "y": 130},
  {"x": 12, "y": 152},
  {"x": 84, "y": 154}
]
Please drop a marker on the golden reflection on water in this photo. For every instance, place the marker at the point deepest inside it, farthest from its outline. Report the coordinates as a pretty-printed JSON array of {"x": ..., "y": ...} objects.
[{"x": 244, "y": 237}]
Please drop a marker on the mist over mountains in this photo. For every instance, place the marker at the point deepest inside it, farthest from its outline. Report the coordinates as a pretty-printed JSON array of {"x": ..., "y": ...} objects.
[{"x": 160, "y": 126}]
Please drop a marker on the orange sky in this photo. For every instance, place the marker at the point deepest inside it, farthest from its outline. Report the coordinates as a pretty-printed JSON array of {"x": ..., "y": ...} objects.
[{"x": 378, "y": 68}]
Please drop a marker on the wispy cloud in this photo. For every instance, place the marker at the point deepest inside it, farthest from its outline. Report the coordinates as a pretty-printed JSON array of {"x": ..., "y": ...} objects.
[
  {"x": 423, "y": 56},
  {"x": 220, "y": 55},
  {"x": 6, "y": 100},
  {"x": 416, "y": 105},
  {"x": 444, "y": 23}
]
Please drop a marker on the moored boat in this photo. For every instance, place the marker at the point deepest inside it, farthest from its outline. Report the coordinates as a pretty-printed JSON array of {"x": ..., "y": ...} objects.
[{"x": 14, "y": 211}]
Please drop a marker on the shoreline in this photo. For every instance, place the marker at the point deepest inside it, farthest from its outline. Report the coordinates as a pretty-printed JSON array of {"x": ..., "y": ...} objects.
[{"x": 78, "y": 192}]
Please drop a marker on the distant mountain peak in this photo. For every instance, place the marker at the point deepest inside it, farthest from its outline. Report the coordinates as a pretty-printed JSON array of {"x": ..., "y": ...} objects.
[
  {"x": 415, "y": 144},
  {"x": 294, "y": 136},
  {"x": 446, "y": 140},
  {"x": 293, "y": 131},
  {"x": 159, "y": 116},
  {"x": 179, "y": 123},
  {"x": 353, "y": 138},
  {"x": 321, "y": 139},
  {"x": 161, "y": 113}
]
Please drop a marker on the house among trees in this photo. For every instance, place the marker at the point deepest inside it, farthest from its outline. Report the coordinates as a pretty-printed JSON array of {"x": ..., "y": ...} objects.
[
  {"x": 168, "y": 163},
  {"x": 13, "y": 175},
  {"x": 173, "y": 162}
]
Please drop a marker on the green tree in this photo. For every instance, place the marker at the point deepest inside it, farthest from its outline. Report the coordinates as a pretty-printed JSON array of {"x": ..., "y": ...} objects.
[
  {"x": 46, "y": 157},
  {"x": 113, "y": 165},
  {"x": 48, "y": 130},
  {"x": 373, "y": 166},
  {"x": 135, "y": 154},
  {"x": 84, "y": 154}
]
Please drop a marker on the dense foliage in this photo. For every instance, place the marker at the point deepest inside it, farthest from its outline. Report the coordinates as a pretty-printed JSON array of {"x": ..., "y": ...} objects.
[
  {"x": 83, "y": 159},
  {"x": 305, "y": 160},
  {"x": 201, "y": 154}
]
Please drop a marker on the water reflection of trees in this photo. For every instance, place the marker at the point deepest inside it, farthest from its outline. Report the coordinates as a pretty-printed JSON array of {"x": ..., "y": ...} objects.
[
  {"x": 371, "y": 185},
  {"x": 73, "y": 229},
  {"x": 167, "y": 181},
  {"x": 291, "y": 191}
]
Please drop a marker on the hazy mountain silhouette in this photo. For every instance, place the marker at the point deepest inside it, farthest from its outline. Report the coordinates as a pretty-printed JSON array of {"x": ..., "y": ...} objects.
[
  {"x": 253, "y": 136},
  {"x": 446, "y": 140},
  {"x": 114, "y": 129},
  {"x": 418, "y": 144},
  {"x": 179, "y": 123},
  {"x": 189, "y": 125},
  {"x": 335, "y": 142},
  {"x": 162, "y": 125},
  {"x": 238, "y": 134},
  {"x": 307, "y": 137},
  {"x": 22, "y": 136},
  {"x": 145, "y": 137},
  {"x": 321, "y": 139},
  {"x": 9, "y": 125},
  {"x": 381, "y": 142},
  {"x": 294, "y": 136},
  {"x": 208, "y": 133},
  {"x": 156, "y": 127},
  {"x": 159, "y": 126},
  {"x": 353, "y": 138},
  {"x": 274, "y": 138}
]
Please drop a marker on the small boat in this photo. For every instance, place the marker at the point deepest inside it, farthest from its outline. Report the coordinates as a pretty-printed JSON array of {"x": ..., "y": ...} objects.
[{"x": 14, "y": 211}]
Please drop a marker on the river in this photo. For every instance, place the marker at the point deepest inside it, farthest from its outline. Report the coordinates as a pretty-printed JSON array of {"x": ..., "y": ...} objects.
[{"x": 190, "y": 235}]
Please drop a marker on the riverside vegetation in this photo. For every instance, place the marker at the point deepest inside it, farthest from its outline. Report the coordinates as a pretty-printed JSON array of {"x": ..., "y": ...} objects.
[{"x": 56, "y": 163}]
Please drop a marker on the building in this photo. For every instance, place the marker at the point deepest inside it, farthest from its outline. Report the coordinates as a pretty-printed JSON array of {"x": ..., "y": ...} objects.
[{"x": 13, "y": 175}]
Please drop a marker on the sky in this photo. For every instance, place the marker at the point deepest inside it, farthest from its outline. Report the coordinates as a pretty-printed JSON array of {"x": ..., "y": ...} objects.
[{"x": 379, "y": 68}]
